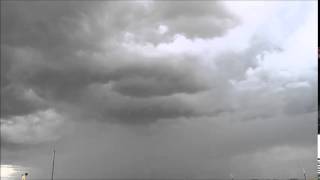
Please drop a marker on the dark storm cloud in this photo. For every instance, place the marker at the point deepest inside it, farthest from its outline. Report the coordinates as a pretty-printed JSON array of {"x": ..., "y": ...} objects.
[
  {"x": 20, "y": 101},
  {"x": 63, "y": 83},
  {"x": 55, "y": 54},
  {"x": 139, "y": 79},
  {"x": 160, "y": 79},
  {"x": 48, "y": 26},
  {"x": 67, "y": 84},
  {"x": 4, "y": 67},
  {"x": 147, "y": 86},
  {"x": 106, "y": 105}
]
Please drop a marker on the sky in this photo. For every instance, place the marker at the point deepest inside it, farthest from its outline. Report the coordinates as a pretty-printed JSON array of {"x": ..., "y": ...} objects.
[{"x": 159, "y": 89}]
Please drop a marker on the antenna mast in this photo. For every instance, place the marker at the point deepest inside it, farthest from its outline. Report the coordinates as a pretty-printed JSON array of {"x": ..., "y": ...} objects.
[
  {"x": 231, "y": 176},
  {"x": 304, "y": 174},
  {"x": 54, "y": 153}
]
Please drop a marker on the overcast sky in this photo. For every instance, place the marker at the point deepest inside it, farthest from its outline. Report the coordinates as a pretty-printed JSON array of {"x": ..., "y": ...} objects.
[{"x": 159, "y": 89}]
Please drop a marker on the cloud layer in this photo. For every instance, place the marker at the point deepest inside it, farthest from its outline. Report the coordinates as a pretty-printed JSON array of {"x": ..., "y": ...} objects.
[{"x": 159, "y": 89}]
